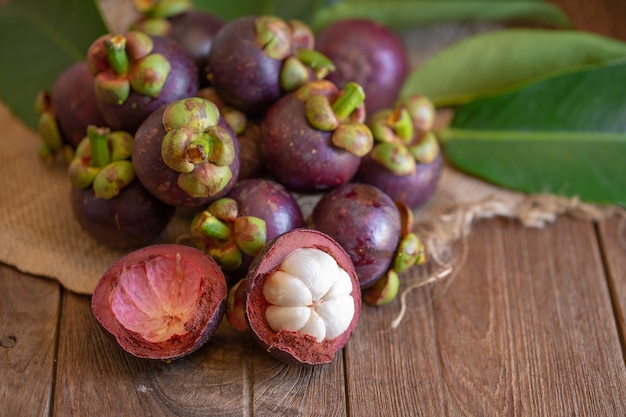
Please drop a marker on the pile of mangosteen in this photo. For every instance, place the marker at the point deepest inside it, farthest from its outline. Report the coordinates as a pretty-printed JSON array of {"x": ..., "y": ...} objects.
[{"x": 227, "y": 122}]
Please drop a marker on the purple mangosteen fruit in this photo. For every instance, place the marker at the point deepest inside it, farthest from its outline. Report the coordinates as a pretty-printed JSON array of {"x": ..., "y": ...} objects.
[
  {"x": 106, "y": 199},
  {"x": 313, "y": 138},
  {"x": 368, "y": 53},
  {"x": 406, "y": 161},
  {"x": 233, "y": 229},
  {"x": 67, "y": 110},
  {"x": 161, "y": 302},
  {"x": 192, "y": 28},
  {"x": 301, "y": 299},
  {"x": 136, "y": 74},
  {"x": 254, "y": 60},
  {"x": 186, "y": 154}
]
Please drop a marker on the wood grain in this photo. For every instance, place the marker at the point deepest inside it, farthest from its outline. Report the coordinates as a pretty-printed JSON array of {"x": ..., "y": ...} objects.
[
  {"x": 613, "y": 243},
  {"x": 527, "y": 328},
  {"x": 29, "y": 315}
]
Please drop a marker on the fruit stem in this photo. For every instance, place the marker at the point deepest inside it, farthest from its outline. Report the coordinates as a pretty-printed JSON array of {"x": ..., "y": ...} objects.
[
  {"x": 99, "y": 142},
  {"x": 352, "y": 97},
  {"x": 115, "y": 49},
  {"x": 198, "y": 151},
  {"x": 403, "y": 125}
]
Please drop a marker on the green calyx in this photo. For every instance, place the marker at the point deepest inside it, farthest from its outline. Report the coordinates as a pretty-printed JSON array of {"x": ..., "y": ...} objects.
[
  {"x": 273, "y": 36},
  {"x": 305, "y": 66},
  {"x": 225, "y": 235},
  {"x": 384, "y": 291},
  {"x": 343, "y": 116},
  {"x": 102, "y": 161},
  {"x": 125, "y": 63},
  {"x": 197, "y": 147},
  {"x": 403, "y": 136}
]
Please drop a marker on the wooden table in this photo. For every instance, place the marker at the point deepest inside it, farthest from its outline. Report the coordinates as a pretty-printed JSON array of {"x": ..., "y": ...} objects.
[{"x": 532, "y": 324}]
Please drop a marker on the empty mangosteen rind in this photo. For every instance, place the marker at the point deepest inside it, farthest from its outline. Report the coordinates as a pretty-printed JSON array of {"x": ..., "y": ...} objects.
[{"x": 134, "y": 301}]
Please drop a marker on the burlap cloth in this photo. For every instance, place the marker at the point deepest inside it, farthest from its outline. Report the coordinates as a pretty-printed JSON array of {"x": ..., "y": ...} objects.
[{"x": 40, "y": 235}]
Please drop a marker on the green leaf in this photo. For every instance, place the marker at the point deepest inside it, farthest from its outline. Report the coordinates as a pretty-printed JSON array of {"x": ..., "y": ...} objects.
[
  {"x": 287, "y": 9},
  {"x": 495, "y": 61},
  {"x": 563, "y": 135},
  {"x": 401, "y": 14},
  {"x": 38, "y": 40}
]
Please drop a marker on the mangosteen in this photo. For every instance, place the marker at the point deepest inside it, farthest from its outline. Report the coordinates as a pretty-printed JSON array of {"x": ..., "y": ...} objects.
[
  {"x": 368, "y": 53},
  {"x": 192, "y": 28},
  {"x": 235, "y": 228},
  {"x": 372, "y": 228},
  {"x": 313, "y": 139},
  {"x": 106, "y": 199},
  {"x": 406, "y": 161},
  {"x": 135, "y": 74},
  {"x": 301, "y": 298},
  {"x": 161, "y": 301},
  {"x": 67, "y": 110},
  {"x": 186, "y": 154},
  {"x": 254, "y": 60}
]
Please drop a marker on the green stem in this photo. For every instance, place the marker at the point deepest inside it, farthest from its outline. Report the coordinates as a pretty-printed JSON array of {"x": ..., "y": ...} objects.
[
  {"x": 315, "y": 60},
  {"x": 115, "y": 49},
  {"x": 352, "y": 97},
  {"x": 404, "y": 126},
  {"x": 99, "y": 142}
]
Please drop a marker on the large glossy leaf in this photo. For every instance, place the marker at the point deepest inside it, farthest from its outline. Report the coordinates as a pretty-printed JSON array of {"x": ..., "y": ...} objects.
[
  {"x": 38, "y": 39},
  {"x": 494, "y": 61},
  {"x": 564, "y": 135},
  {"x": 400, "y": 14},
  {"x": 287, "y": 9}
]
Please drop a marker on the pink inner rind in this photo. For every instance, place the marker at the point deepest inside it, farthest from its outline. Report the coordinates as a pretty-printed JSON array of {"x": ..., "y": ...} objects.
[{"x": 207, "y": 285}]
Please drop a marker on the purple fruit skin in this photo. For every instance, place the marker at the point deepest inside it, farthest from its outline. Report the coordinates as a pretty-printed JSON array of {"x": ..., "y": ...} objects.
[
  {"x": 159, "y": 179},
  {"x": 270, "y": 201},
  {"x": 369, "y": 54},
  {"x": 267, "y": 200},
  {"x": 299, "y": 156},
  {"x": 242, "y": 75},
  {"x": 365, "y": 222},
  {"x": 132, "y": 219},
  {"x": 195, "y": 30},
  {"x": 74, "y": 102},
  {"x": 414, "y": 190},
  {"x": 182, "y": 82}
]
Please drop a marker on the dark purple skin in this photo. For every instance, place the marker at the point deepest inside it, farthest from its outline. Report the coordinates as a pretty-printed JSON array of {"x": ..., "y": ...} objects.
[
  {"x": 243, "y": 76},
  {"x": 159, "y": 179},
  {"x": 74, "y": 103},
  {"x": 195, "y": 30},
  {"x": 130, "y": 220},
  {"x": 414, "y": 190},
  {"x": 299, "y": 156},
  {"x": 270, "y": 201},
  {"x": 369, "y": 54},
  {"x": 182, "y": 82},
  {"x": 365, "y": 222}
]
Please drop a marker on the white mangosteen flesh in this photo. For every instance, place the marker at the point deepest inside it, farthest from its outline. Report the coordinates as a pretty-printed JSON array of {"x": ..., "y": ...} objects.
[{"x": 310, "y": 294}]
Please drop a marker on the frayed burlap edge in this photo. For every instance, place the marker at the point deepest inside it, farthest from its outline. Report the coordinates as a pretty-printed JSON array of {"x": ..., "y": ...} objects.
[{"x": 440, "y": 233}]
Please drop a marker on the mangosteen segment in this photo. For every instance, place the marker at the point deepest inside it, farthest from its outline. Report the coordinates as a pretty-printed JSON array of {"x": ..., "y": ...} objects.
[{"x": 309, "y": 294}]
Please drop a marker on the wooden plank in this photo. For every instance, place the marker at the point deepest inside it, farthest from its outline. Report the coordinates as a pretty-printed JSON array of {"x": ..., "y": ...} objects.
[
  {"x": 599, "y": 16},
  {"x": 29, "y": 315},
  {"x": 230, "y": 376},
  {"x": 395, "y": 371},
  {"x": 613, "y": 239},
  {"x": 526, "y": 328}
]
